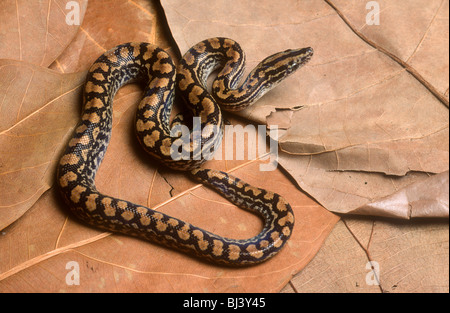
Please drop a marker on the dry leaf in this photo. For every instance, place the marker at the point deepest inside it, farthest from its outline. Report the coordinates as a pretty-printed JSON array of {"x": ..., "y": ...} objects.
[
  {"x": 343, "y": 192},
  {"x": 425, "y": 198},
  {"x": 374, "y": 131},
  {"x": 38, "y": 31},
  {"x": 35, "y": 121},
  {"x": 408, "y": 257},
  {"x": 46, "y": 237},
  {"x": 34, "y": 124},
  {"x": 107, "y": 25},
  {"x": 416, "y": 34}
]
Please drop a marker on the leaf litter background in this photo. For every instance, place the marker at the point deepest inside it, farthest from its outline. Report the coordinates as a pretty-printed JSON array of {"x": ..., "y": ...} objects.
[{"x": 364, "y": 131}]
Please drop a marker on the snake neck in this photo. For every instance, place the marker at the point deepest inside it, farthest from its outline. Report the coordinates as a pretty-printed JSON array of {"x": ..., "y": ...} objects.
[
  {"x": 204, "y": 58},
  {"x": 264, "y": 77}
]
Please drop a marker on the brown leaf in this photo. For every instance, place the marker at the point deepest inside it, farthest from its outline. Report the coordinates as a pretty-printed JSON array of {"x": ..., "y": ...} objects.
[
  {"x": 34, "y": 124},
  {"x": 37, "y": 31},
  {"x": 46, "y": 238},
  {"x": 107, "y": 24},
  {"x": 409, "y": 257},
  {"x": 374, "y": 131},
  {"x": 344, "y": 192},
  {"x": 425, "y": 198},
  {"x": 408, "y": 33}
]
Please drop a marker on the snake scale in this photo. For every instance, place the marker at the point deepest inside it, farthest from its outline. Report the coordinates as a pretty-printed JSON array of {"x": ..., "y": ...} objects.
[{"x": 149, "y": 64}]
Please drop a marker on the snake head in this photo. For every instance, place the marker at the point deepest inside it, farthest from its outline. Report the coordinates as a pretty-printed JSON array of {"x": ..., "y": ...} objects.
[{"x": 280, "y": 65}]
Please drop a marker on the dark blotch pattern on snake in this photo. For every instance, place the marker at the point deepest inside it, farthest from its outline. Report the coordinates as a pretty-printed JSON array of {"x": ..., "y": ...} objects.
[{"x": 152, "y": 65}]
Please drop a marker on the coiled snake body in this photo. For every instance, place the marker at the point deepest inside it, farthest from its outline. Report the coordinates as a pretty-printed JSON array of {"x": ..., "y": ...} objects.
[{"x": 148, "y": 63}]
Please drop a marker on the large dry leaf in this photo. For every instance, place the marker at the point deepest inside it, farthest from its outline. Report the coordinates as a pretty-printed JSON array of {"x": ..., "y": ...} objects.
[
  {"x": 38, "y": 31},
  {"x": 424, "y": 198},
  {"x": 46, "y": 237},
  {"x": 415, "y": 34},
  {"x": 408, "y": 258},
  {"x": 34, "y": 123},
  {"x": 371, "y": 103},
  {"x": 374, "y": 131},
  {"x": 345, "y": 192},
  {"x": 107, "y": 25}
]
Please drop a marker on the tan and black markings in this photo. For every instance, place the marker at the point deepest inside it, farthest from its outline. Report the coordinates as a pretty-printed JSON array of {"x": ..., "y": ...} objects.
[{"x": 152, "y": 65}]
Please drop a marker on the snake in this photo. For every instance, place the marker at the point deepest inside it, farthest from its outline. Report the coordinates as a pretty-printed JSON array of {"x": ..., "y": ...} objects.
[{"x": 162, "y": 79}]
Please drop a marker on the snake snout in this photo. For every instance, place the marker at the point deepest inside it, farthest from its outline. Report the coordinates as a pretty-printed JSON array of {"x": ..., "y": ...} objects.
[
  {"x": 304, "y": 55},
  {"x": 297, "y": 58}
]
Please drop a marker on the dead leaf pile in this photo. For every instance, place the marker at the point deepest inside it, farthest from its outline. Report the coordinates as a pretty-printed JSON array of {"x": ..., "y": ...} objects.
[
  {"x": 363, "y": 129},
  {"x": 40, "y": 104}
]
